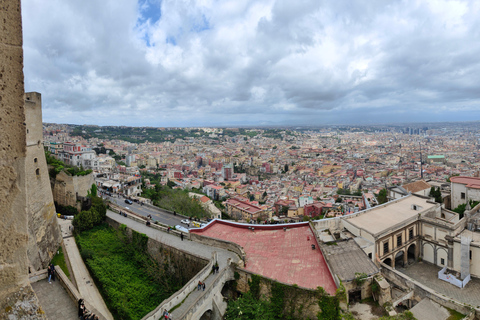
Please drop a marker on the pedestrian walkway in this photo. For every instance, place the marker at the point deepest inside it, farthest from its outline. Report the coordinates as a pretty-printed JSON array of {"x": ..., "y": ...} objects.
[
  {"x": 427, "y": 274},
  {"x": 85, "y": 285},
  {"x": 192, "y": 247},
  {"x": 54, "y": 300}
]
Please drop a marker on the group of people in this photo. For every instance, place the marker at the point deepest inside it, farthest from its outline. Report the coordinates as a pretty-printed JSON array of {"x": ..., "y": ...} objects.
[
  {"x": 201, "y": 285},
  {"x": 83, "y": 313},
  {"x": 167, "y": 315},
  {"x": 215, "y": 268},
  {"x": 51, "y": 273}
]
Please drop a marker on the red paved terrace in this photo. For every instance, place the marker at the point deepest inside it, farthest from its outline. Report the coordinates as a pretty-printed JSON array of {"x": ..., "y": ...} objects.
[{"x": 286, "y": 256}]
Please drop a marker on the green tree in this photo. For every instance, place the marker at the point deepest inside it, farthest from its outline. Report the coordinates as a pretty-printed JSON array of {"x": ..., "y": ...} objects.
[
  {"x": 436, "y": 193},
  {"x": 382, "y": 196}
]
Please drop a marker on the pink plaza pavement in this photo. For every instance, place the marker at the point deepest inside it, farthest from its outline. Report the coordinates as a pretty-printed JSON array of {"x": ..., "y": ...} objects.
[{"x": 286, "y": 256}]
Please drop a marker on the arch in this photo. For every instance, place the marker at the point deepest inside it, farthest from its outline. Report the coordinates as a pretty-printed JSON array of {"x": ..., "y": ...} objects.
[
  {"x": 388, "y": 262},
  {"x": 411, "y": 255},
  {"x": 428, "y": 253},
  {"x": 207, "y": 315},
  {"x": 399, "y": 256}
]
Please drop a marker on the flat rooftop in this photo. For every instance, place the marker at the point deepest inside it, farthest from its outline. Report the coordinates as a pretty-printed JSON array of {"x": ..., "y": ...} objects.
[
  {"x": 382, "y": 218},
  {"x": 286, "y": 256},
  {"x": 346, "y": 258}
]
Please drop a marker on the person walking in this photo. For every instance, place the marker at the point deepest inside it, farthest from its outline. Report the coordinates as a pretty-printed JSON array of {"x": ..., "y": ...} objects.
[
  {"x": 181, "y": 236},
  {"x": 52, "y": 271},
  {"x": 199, "y": 285},
  {"x": 81, "y": 308},
  {"x": 203, "y": 286},
  {"x": 49, "y": 273}
]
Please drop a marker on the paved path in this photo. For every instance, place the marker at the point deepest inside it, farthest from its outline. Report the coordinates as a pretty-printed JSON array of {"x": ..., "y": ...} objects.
[
  {"x": 54, "y": 300},
  {"x": 85, "y": 285},
  {"x": 187, "y": 246},
  {"x": 427, "y": 274}
]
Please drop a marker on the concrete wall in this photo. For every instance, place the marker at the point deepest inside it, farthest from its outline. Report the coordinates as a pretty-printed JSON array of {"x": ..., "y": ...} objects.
[
  {"x": 14, "y": 284},
  {"x": 227, "y": 245},
  {"x": 65, "y": 188},
  {"x": 43, "y": 230}
]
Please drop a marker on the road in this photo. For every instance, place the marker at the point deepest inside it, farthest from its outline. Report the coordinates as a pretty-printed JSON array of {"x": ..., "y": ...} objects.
[{"x": 157, "y": 214}]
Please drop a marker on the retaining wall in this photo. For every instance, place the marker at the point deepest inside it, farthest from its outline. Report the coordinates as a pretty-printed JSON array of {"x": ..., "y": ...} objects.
[{"x": 423, "y": 291}]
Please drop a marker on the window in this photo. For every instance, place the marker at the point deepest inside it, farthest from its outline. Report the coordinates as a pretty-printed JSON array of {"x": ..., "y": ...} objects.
[
  {"x": 462, "y": 195},
  {"x": 399, "y": 240},
  {"x": 410, "y": 233},
  {"x": 370, "y": 255},
  {"x": 385, "y": 247},
  {"x": 37, "y": 172},
  {"x": 442, "y": 261},
  {"x": 470, "y": 254},
  {"x": 35, "y": 160}
]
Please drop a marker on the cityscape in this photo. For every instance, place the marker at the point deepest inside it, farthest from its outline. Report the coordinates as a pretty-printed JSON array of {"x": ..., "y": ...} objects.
[{"x": 266, "y": 160}]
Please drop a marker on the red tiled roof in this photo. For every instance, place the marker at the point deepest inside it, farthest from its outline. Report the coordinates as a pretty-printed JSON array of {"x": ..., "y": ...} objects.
[{"x": 470, "y": 182}]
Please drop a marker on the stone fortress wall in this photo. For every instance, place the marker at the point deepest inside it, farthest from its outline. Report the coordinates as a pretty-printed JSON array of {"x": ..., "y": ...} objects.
[
  {"x": 14, "y": 282},
  {"x": 43, "y": 231},
  {"x": 66, "y": 188}
]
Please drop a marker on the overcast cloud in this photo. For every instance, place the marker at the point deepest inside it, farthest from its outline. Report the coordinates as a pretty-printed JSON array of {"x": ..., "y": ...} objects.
[{"x": 221, "y": 63}]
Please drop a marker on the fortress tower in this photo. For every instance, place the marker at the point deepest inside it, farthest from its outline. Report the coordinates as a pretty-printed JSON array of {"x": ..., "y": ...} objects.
[
  {"x": 14, "y": 283},
  {"x": 44, "y": 235}
]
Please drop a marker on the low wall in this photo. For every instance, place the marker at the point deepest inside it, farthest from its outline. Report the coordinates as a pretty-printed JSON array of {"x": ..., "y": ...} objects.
[
  {"x": 136, "y": 217},
  {"x": 204, "y": 302},
  {"x": 248, "y": 225},
  {"x": 181, "y": 294},
  {"x": 423, "y": 291},
  {"x": 67, "y": 285},
  {"x": 302, "y": 301},
  {"x": 222, "y": 244}
]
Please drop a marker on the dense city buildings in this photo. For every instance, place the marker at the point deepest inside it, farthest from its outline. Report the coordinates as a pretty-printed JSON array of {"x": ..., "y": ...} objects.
[{"x": 285, "y": 173}]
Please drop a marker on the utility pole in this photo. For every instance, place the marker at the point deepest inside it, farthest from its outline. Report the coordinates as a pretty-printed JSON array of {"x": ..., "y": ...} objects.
[{"x": 421, "y": 162}]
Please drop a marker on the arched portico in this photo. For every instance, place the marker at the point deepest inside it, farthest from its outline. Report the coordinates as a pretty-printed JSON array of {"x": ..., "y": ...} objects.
[
  {"x": 399, "y": 259},
  {"x": 411, "y": 253},
  {"x": 388, "y": 262}
]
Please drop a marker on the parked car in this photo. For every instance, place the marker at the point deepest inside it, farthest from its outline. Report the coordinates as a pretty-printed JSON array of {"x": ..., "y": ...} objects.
[
  {"x": 128, "y": 201},
  {"x": 185, "y": 221},
  {"x": 180, "y": 228}
]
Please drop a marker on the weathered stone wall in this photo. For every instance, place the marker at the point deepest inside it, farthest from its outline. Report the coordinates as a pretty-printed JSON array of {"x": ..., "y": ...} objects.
[
  {"x": 66, "y": 188},
  {"x": 44, "y": 233},
  {"x": 302, "y": 302},
  {"x": 421, "y": 291},
  {"x": 14, "y": 283},
  {"x": 183, "y": 265}
]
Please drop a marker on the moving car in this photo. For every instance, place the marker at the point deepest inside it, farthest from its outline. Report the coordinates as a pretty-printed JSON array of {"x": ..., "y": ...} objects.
[
  {"x": 128, "y": 201},
  {"x": 185, "y": 221}
]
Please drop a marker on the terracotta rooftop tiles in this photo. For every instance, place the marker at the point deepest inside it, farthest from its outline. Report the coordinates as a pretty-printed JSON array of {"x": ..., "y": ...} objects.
[{"x": 286, "y": 256}]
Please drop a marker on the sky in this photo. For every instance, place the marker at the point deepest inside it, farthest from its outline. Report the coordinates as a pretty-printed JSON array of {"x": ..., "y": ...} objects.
[{"x": 180, "y": 63}]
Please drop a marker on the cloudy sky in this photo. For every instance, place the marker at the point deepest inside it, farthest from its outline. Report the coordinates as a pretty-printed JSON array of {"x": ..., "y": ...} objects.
[{"x": 241, "y": 62}]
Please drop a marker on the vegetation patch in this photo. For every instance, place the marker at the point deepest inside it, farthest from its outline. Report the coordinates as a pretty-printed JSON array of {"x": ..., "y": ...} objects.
[
  {"x": 131, "y": 283},
  {"x": 59, "y": 260},
  {"x": 455, "y": 315},
  {"x": 173, "y": 199}
]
